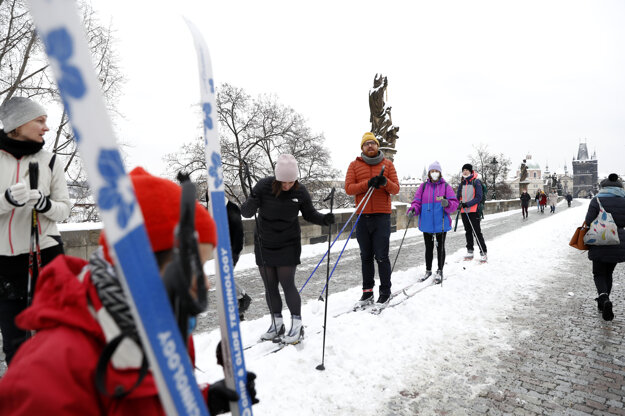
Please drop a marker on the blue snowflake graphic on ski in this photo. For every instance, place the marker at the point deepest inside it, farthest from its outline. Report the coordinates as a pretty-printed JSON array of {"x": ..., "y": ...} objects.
[
  {"x": 115, "y": 195},
  {"x": 215, "y": 170}
]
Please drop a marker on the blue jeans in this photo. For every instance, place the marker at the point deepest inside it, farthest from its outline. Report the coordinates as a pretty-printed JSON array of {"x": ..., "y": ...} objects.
[{"x": 373, "y": 233}]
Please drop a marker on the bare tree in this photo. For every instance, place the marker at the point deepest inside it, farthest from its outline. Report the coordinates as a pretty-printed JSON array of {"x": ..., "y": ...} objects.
[
  {"x": 493, "y": 174},
  {"x": 24, "y": 72},
  {"x": 255, "y": 131}
]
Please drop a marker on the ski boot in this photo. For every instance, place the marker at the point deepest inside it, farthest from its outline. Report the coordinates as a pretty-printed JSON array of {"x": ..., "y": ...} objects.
[
  {"x": 483, "y": 258},
  {"x": 365, "y": 300},
  {"x": 381, "y": 304},
  {"x": 438, "y": 277},
  {"x": 426, "y": 276},
  {"x": 272, "y": 334},
  {"x": 296, "y": 333},
  {"x": 469, "y": 255}
]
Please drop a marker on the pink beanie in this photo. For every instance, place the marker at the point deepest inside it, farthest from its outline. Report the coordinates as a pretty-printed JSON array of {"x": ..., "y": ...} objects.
[{"x": 286, "y": 168}]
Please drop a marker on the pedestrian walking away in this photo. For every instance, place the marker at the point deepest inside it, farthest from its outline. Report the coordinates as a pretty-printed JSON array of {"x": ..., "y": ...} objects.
[
  {"x": 569, "y": 198},
  {"x": 277, "y": 241},
  {"x": 605, "y": 257},
  {"x": 374, "y": 228},
  {"x": 525, "y": 203},
  {"x": 434, "y": 201},
  {"x": 86, "y": 358},
  {"x": 543, "y": 201},
  {"x": 470, "y": 194},
  {"x": 23, "y": 209},
  {"x": 537, "y": 199},
  {"x": 553, "y": 201}
]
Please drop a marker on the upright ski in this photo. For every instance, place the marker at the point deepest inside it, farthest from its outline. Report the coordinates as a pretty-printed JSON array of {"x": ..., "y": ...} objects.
[
  {"x": 227, "y": 308},
  {"x": 62, "y": 33}
]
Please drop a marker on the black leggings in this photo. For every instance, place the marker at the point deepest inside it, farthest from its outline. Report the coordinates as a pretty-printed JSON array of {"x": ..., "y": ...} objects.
[
  {"x": 285, "y": 275},
  {"x": 429, "y": 249},
  {"x": 602, "y": 272}
]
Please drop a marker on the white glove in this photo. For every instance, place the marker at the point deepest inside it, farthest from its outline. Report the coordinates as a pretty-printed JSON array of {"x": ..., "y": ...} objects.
[
  {"x": 37, "y": 200},
  {"x": 17, "y": 194}
]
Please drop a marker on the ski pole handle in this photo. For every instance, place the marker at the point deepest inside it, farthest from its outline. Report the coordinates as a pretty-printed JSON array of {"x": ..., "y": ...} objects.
[{"x": 33, "y": 173}]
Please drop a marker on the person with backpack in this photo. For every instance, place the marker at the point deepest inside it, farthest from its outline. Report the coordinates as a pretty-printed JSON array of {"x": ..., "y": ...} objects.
[
  {"x": 470, "y": 195},
  {"x": 605, "y": 257},
  {"x": 73, "y": 366},
  {"x": 569, "y": 198},
  {"x": 525, "y": 203},
  {"x": 434, "y": 202},
  {"x": 21, "y": 144}
]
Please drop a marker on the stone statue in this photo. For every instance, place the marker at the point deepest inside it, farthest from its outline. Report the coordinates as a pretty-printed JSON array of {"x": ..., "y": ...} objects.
[
  {"x": 523, "y": 170},
  {"x": 554, "y": 181},
  {"x": 381, "y": 122}
]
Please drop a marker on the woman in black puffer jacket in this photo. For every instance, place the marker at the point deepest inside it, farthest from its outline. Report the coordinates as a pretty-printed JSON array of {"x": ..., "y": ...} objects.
[
  {"x": 277, "y": 247},
  {"x": 604, "y": 258}
]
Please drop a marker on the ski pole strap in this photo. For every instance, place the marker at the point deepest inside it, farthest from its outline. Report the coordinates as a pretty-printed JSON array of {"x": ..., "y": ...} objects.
[
  {"x": 101, "y": 368},
  {"x": 364, "y": 199}
]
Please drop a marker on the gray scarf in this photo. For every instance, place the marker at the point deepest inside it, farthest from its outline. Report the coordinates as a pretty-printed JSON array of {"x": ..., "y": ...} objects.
[{"x": 373, "y": 160}]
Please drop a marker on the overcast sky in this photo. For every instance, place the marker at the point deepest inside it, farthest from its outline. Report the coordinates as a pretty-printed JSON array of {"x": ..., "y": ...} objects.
[{"x": 518, "y": 76}]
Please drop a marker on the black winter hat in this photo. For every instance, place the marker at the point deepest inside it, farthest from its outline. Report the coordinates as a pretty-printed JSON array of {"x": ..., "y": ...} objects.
[
  {"x": 612, "y": 180},
  {"x": 467, "y": 166}
]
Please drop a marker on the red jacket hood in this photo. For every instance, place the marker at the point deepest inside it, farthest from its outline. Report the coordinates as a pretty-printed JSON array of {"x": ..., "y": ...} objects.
[{"x": 61, "y": 299}]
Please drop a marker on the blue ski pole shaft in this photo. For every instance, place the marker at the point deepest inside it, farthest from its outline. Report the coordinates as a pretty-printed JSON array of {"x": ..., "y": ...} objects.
[
  {"x": 345, "y": 245},
  {"x": 369, "y": 191}
]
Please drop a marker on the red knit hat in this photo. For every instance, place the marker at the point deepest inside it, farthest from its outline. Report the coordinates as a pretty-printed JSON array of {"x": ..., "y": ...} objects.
[{"x": 159, "y": 200}]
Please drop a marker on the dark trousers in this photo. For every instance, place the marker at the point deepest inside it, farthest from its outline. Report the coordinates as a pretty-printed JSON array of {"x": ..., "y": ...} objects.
[
  {"x": 373, "y": 233},
  {"x": 473, "y": 227},
  {"x": 285, "y": 276},
  {"x": 13, "y": 299},
  {"x": 602, "y": 273},
  {"x": 524, "y": 210},
  {"x": 428, "y": 238}
]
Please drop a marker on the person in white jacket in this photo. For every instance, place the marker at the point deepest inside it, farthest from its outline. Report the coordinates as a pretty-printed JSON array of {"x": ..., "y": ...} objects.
[
  {"x": 21, "y": 142},
  {"x": 553, "y": 201}
]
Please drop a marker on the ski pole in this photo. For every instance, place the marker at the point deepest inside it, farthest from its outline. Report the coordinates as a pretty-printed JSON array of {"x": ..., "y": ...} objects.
[
  {"x": 474, "y": 233},
  {"x": 321, "y": 366},
  {"x": 441, "y": 246},
  {"x": 366, "y": 199},
  {"x": 336, "y": 238},
  {"x": 402, "y": 242},
  {"x": 35, "y": 252},
  {"x": 457, "y": 217},
  {"x": 260, "y": 250},
  {"x": 346, "y": 241}
]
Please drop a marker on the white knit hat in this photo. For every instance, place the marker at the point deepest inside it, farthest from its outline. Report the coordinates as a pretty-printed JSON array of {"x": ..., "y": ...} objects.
[
  {"x": 18, "y": 111},
  {"x": 286, "y": 168}
]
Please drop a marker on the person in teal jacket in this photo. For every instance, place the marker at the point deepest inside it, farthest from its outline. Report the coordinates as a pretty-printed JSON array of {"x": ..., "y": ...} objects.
[{"x": 434, "y": 202}]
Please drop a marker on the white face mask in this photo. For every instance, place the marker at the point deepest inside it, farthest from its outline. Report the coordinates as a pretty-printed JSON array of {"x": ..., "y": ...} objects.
[
  {"x": 465, "y": 176},
  {"x": 435, "y": 175}
]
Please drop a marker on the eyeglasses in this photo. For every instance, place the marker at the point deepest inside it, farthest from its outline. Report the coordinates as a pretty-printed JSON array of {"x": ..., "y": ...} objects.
[{"x": 370, "y": 143}]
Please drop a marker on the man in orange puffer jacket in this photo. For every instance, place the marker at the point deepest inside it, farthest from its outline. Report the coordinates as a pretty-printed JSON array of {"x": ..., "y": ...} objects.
[{"x": 374, "y": 226}]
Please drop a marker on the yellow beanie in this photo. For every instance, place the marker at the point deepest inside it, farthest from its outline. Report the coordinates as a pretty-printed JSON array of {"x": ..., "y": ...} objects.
[{"x": 368, "y": 136}]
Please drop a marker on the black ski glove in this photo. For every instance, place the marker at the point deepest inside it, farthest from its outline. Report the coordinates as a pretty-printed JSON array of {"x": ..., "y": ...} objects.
[
  {"x": 328, "y": 219},
  {"x": 444, "y": 202},
  {"x": 411, "y": 211},
  {"x": 382, "y": 181},
  {"x": 373, "y": 182},
  {"x": 464, "y": 205},
  {"x": 220, "y": 396}
]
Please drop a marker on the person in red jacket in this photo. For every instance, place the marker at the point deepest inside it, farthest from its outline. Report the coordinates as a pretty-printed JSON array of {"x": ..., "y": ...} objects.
[
  {"x": 80, "y": 308},
  {"x": 374, "y": 226}
]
